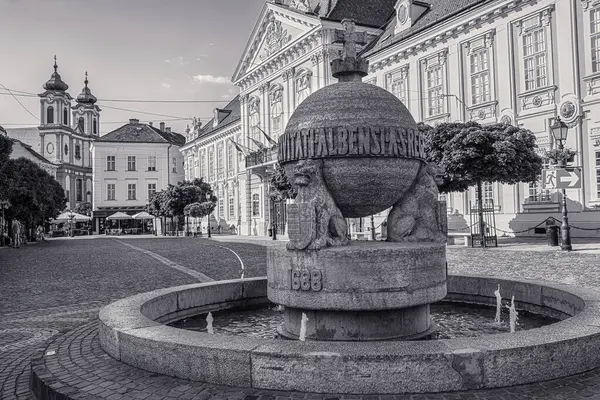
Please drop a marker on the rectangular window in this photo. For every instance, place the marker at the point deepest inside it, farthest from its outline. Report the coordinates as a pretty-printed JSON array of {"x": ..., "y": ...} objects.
[
  {"x": 131, "y": 191},
  {"x": 110, "y": 163},
  {"x": 110, "y": 191},
  {"x": 230, "y": 159},
  {"x": 536, "y": 192},
  {"x": 256, "y": 205},
  {"x": 598, "y": 174},
  {"x": 220, "y": 163},
  {"x": 488, "y": 192},
  {"x": 79, "y": 189},
  {"x": 595, "y": 38},
  {"x": 151, "y": 190},
  {"x": 130, "y": 163},
  {"x": 480, "y": 77},
  {"x": 151, "y": 163},
  {"x": 221, "y": 208},
  {"x": 534, "y": 61},
  {"x": 435, "y": 103},
  {"x": 398, "y": 86},
  {"x": 231, "y": 208},
  {"x": 174, "y": 164},
  {"x": 202, "y": 171},
  {"x": 211, "y": 165}
]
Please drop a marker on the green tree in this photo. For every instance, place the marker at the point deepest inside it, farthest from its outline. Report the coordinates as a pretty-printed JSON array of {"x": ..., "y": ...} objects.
[{"x": 470, "y": 154}]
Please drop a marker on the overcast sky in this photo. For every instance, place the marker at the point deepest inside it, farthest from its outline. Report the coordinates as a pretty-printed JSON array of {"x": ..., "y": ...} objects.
[{"x": 132, "y": 49}]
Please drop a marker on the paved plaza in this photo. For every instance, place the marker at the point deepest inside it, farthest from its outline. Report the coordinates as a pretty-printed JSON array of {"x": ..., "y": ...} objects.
[{"x": 50, "y": 293}]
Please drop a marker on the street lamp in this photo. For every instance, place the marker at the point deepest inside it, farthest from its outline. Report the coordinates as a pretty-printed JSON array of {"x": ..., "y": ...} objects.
[
  {"x": 208, "y": 216},
  {"x": 4, "y": 204},
  {"x": 560, "y": 131}
]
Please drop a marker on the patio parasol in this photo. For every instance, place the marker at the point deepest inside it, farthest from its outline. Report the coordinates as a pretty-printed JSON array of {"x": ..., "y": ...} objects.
[{"x": 118, "y": 216}]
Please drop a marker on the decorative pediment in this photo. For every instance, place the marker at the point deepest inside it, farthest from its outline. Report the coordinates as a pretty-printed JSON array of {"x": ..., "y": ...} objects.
[{"x": 277, "y": 28}]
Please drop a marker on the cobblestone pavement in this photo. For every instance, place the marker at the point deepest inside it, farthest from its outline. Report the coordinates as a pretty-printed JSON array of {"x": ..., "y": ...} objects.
[{"x": 51, "y": 293}]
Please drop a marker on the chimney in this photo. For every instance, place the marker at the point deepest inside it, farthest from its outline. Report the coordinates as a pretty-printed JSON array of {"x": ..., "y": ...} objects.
[
  {"x": 150, "y": 123},
  {"x": 134, "y": 121},
  {"x": 162, "y": 126},
  {"x": 168, "y": 129}
]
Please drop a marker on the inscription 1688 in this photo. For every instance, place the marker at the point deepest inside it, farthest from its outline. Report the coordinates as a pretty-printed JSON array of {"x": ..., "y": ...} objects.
[{"x": 303, "y": 279}]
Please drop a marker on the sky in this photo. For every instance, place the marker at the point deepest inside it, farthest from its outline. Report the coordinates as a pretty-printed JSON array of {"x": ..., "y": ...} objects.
[{"x": 131, "y": 49}]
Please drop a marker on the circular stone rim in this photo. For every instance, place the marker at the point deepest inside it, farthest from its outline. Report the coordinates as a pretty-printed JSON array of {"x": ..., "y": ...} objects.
[{"x": 132, "y": 330}]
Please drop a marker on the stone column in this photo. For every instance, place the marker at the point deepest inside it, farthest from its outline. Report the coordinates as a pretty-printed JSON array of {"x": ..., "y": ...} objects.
[{"x": 287, "y": 96}]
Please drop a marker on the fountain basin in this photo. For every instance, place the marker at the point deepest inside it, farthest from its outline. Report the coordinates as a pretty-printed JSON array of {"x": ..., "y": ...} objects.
[{"x": 132, "y": 330}]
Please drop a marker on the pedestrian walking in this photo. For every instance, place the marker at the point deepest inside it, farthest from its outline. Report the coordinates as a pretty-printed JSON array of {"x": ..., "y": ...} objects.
[{"x": 16, "y": 231}]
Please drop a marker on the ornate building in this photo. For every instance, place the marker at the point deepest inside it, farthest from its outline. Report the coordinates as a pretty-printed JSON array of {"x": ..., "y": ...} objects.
[
  {"x": 65, "y": 135},
  {"x": 509, "y": 61},
  {"x": 210, "y": 152},
  {"x": 520, "y": 62},
  {"x": 286, "y": 59}
]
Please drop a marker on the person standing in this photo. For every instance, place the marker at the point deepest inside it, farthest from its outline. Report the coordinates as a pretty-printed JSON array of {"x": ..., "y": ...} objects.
[{"x": 16, "y": 231}]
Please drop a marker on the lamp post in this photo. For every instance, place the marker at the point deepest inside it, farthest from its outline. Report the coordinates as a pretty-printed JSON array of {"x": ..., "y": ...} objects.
[
  {"x": 4, "y": 204},
  {"x": 208, "y": 216},
  {"x": 560, "y": 131}
]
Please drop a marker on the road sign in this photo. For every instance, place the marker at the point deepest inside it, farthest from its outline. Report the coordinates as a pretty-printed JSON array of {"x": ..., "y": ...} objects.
[{"x": 561, "y": 178}]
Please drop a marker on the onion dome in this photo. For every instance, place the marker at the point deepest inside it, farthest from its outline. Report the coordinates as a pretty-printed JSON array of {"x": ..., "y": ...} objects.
[
  {"x": 56, "y": 82},
  {"x": 86, "y": 96}
]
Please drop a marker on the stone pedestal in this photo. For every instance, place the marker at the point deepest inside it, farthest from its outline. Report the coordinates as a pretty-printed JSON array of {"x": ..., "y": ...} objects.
[{"x": 363, "y": 291}]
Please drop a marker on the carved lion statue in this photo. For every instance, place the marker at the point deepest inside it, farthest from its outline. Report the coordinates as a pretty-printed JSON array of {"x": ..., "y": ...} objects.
[
  {"x": 319, "y": 220},
  {"x": 419, "y": 216}
]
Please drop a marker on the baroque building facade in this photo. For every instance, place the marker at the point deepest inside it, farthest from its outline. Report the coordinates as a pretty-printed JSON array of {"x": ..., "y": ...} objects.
[
  {"x": 518, "y": 62},
  {"x": 210, "y": 153},
  {"x": 67, "y": 129},
  {"x": 492, "y": 61}
]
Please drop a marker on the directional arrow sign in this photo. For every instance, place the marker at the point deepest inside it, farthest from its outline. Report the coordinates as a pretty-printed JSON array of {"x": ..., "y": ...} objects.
[{"x": 561, "y": 178}]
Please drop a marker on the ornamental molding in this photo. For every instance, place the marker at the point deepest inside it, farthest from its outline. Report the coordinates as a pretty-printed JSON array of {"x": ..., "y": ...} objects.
[
  {"x": 483, "y": 111},
  {"x": 538, "y": 97},
  {"x": 483, "y": 41},
  {"x": 300, "y": 5},
  {"x": 278, "y": 62},
  {"x": 587, "y": 3},
  {"x": 538, "y": 19},
  {"x": 397, "y": 52},
  {"x": 595, "y": 137}
]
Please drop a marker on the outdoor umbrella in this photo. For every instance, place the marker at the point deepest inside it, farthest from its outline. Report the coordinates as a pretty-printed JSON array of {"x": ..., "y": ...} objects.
[
  {"x": 143, "y": 216},
  {"x": 119, "y": 216},
  {"x": 65, "y": 217}
]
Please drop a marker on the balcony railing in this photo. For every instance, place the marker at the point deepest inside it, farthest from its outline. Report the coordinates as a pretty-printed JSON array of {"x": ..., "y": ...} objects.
[{"x": 260, "y": 157}]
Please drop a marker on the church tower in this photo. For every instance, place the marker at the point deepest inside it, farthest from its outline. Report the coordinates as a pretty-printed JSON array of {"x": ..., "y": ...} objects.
[
  {"x": 86, "y": 115},
  {"x": 55, "y": 111}
]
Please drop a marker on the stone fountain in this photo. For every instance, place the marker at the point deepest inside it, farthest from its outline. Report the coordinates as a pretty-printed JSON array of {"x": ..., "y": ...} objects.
[{"x": 352, "y": 150}]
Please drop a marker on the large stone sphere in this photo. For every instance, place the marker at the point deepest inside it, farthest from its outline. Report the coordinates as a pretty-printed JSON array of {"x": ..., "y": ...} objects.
[{"x": 368, "y": 141}]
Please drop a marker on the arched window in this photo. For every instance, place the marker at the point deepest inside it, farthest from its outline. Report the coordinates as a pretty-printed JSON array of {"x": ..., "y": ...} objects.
[
  {"x": 66, "y": 117},
  {"x": 50, "y": 115},
  {"x": 81, "y": 124},
  {"x": 95, "y": 127}
]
